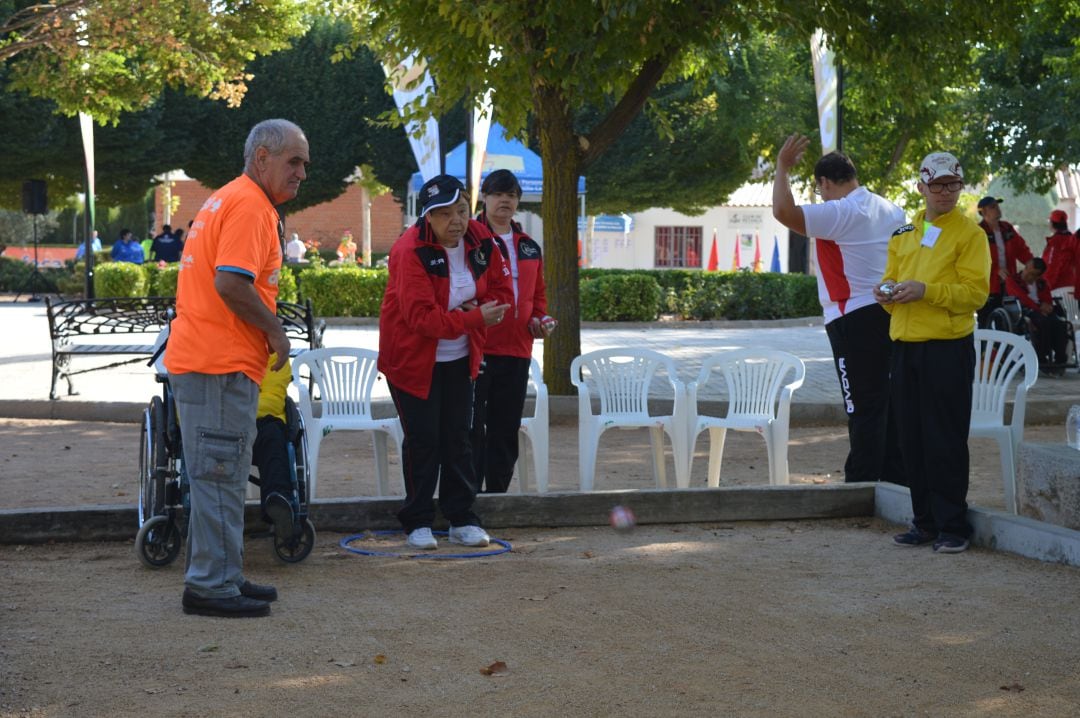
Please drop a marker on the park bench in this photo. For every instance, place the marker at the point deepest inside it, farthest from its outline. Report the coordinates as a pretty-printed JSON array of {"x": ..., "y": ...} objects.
[{"x": 111, "y": 326}]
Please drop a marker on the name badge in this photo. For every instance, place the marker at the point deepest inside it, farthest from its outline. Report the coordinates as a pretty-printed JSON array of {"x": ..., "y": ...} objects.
[{"x": 929, "y": 238}]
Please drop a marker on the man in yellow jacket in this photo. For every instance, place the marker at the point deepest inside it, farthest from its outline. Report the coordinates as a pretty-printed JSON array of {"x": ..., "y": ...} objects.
[{"x": 936, "y": 275}]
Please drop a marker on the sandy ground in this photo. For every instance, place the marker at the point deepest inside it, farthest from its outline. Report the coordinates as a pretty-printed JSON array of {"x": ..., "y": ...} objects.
[{"x": 822, "y": 618}]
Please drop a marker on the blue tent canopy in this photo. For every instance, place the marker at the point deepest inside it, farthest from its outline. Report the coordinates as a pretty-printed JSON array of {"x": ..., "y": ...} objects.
[{"x": 502, "y": 153}]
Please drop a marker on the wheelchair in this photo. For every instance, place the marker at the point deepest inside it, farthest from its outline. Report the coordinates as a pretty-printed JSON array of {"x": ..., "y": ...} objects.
[
  {"x": 164, "y": 498},
  {"x": 1009, "y": 317}
]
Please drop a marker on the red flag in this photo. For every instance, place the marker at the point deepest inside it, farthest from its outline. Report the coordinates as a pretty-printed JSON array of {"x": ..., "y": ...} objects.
[
  {"x": 757, "y": 253},
  {"x": 714, "y": 262},
  {"x": 738, "y": 261}
]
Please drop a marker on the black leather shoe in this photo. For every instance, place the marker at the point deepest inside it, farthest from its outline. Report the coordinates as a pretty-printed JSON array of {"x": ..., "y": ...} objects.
[
  {"x": 280, "y": 512},
  {"x": 258, "y": 591},
  {"x": 230, "y": 607}
]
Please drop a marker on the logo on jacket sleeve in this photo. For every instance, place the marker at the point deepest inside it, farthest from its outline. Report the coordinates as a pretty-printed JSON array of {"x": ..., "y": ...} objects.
[
  {"x": 433, "y": 261},
  {"x": 905, "y": 228}
]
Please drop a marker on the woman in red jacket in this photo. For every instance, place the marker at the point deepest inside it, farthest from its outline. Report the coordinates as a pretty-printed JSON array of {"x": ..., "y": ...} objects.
[
  {"x": 447, "y": 284},
  {"x": 500, "y": 389},
  {"x": 1061, "y": 253}
]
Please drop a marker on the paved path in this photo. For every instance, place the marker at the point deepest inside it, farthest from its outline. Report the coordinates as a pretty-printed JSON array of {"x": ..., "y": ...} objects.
[{"x": 25, "y": 359}]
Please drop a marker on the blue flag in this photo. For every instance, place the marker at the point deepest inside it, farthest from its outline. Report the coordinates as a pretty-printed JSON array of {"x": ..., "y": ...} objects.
[{"x": 775, "y": 266}]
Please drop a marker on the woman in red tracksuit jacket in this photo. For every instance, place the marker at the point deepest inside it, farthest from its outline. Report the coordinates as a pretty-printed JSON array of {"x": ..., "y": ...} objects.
[
  {"x": 1061, "y": 253},
  {"x": 447, "y": 284},
  {"x": 500, "y": 389}
]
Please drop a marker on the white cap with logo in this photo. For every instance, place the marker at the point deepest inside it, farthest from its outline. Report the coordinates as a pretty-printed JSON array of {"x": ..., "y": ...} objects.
[{"x": 940, "y": 164}]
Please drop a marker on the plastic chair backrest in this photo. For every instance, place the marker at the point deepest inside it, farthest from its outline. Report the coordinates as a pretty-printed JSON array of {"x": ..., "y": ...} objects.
[
  {"x": 754, "y": 378},
  {"x": 621, "y": 377},
  {"x": 343, "y": 377},
  {"x": 999, "y": 359},
  {"x": 1069, "y": 303}
]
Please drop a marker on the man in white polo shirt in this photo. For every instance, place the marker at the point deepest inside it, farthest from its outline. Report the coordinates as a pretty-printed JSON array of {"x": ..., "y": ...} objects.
[{"x": 851, "y": 227}]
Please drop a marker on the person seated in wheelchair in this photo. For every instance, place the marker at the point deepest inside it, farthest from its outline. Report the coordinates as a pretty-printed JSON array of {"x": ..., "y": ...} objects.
[
  {"x": 1037, "y": 306},
  {"x": 270, "y": 452}
]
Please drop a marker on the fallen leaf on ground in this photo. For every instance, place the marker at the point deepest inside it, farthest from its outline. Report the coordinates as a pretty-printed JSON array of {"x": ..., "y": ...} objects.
[
  {"x": 343, "y": 663},
  {"x": 533, "y": 598},
  {"x": 587, "y": 554},
  {"x": 1013, "y": 687},
  {"x": 379, "y": 659},
  {"x": 208, "y": 648},
  {"x": 498, "y": 668}
]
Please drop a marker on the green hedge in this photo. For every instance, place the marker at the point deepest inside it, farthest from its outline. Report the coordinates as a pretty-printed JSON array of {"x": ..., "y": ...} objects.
[
  {"x": 345, "y": 291},
  {"x": 620, "y": 298},
  {"x": 120, "y": 279},
  {"x": 707, "y": 295}
]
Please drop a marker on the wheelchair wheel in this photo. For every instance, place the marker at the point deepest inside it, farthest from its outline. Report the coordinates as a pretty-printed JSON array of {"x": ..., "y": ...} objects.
[
  {"x": 1000, "y": 320},
  {"x": 158, "y": 542},
  {"x": 153, "y": 462},
  {"x": 298, "y": 548}
]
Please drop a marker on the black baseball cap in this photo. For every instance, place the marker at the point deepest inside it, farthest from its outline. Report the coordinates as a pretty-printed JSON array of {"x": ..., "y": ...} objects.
[
  {"x": 989, "y": 200},
  {"x": 439, "y": 191}
]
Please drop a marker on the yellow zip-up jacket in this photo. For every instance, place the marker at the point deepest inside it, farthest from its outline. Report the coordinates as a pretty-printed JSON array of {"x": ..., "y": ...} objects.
[
  {"x": 954, "y": 266},
  {"x": 272, "y": 391}
]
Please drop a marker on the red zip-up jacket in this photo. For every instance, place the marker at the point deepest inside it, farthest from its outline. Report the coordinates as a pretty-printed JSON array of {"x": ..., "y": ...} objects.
[
  {"x": 1016, "y": 252},
  {"x": 1061, "y": 257},
  {"x": 512, "y": 337},
  {"x": 414, "y": 315},
  {"x": 1017, "y": 288}
]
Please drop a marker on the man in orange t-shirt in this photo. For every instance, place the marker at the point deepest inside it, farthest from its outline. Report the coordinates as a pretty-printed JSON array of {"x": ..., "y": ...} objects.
[{"x": 226, "y": 326}]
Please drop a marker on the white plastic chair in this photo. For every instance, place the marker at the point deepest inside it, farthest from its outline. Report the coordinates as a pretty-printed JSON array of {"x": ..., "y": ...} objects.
[
  {"x": 758, "y": 400},
  {"x": 999, "y": 358},
  {"x": 343, "y": 378},
  {"x": 535, "y": 429},
  {"x": 621, "y": 379},
  {"x": 1070, "y": 303}
]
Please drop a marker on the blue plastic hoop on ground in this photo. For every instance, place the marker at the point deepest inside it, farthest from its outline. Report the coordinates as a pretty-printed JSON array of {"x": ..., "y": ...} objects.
[{"x": 504, "y": 547}]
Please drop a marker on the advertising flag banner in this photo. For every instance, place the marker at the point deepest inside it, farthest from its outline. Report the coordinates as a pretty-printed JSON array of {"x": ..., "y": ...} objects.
[
  {"x": 412, "y": 82},
  {"x": 826, "y": 84},
  {"x": 714, "y": 261}
]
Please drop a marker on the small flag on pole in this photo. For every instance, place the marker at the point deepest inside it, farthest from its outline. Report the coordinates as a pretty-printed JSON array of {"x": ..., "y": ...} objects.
[
  {"x": 775, "y": 267},
  {"x": 714, "y": 261},
  {"x": 738, "y": 260},
  {"x": 757, "y": 253}
]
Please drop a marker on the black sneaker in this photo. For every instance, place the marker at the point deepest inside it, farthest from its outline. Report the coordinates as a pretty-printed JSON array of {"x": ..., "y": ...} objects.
[
  {"x": 280, "y": 512},
  {"x": 914, "y": 536},
  {"x": 229, "y": 607},
  {"x": 258, "y": 591},
  {"x": 948, "y": 543}
]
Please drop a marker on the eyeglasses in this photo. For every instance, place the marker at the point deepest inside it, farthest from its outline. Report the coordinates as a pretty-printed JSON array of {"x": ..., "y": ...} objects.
[{"x": 946, "y": 186}]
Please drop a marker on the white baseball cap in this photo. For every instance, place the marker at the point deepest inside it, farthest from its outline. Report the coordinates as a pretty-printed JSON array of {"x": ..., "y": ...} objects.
[{"x": 940, "y": 164}]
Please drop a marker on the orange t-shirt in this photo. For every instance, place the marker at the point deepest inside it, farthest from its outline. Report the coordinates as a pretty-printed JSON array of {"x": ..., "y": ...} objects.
[{"x": 235, "y": 231}]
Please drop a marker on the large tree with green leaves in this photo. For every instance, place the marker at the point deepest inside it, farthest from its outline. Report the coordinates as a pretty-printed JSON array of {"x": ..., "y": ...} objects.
[
  {"x": 552, "y": 58},
  {"x": 106, "y": 57}
]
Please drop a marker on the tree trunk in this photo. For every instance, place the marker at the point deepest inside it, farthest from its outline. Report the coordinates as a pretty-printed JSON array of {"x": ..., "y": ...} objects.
[{"x": 561, "y": 160}]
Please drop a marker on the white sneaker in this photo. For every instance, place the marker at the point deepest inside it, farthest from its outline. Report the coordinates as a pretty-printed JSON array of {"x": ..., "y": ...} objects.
[
  {"x": 469, "y": 536},
  {"x": 422, "y": 538}
]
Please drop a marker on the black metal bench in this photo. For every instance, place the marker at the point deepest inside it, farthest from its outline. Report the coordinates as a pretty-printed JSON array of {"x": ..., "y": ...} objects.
[{"x": 75, "y": 324}]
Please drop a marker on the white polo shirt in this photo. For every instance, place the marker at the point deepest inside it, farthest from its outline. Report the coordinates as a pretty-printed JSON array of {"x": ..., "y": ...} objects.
[{"x": 851, "y": 236}]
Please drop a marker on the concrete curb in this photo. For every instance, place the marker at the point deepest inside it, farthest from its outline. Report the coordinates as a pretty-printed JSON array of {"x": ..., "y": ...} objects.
[
  {"x": 651, "y": 506},
  {"x": 562, "y": 409}
]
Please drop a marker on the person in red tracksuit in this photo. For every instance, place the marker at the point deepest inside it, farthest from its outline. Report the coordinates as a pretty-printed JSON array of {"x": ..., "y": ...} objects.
[
  {"x": 1051, "y": 337},
  {"x": 1007, "y": 251},
  {"x": 500, "y": 389},
  {"x": 447, "y": 284},
  {"x": 1061, "y": 253}
]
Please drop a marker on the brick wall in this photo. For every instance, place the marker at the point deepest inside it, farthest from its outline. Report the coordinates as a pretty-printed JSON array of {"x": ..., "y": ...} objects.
[{"x": 324, "y": 223}]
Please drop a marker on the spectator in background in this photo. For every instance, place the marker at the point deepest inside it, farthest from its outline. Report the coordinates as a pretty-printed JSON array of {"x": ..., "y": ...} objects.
[
  {"x": 346, "y": 251},
  {"x": 1037, "y": 306},
  {"x": 1007, "y": 250},
  {"x": 127, "y": 249},
  {"x": 95, "y": 246},
  {"x": 1061, "y": 253},
  {"x": 499, "y": 396},
  {"x": 167, "y": 246},
  {"x": 295, "y": 250},
  {"x": 937, "y": 274}
]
